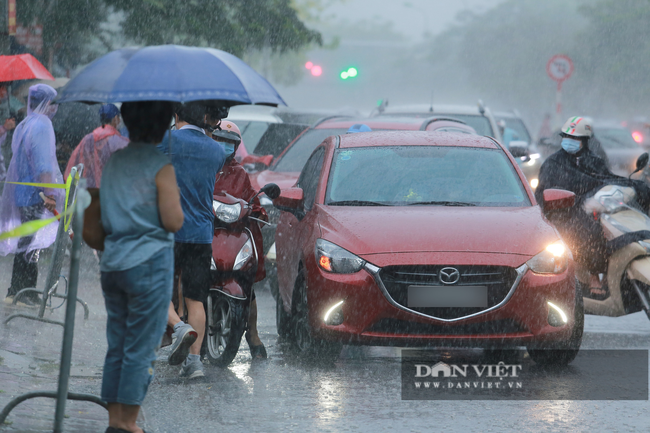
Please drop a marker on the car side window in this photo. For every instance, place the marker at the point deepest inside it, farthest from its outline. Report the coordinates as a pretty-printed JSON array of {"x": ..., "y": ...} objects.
[{"x": 308, "y": 179}]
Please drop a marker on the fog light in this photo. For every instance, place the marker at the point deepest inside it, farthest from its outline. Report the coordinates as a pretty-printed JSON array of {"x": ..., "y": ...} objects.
[
  {"x": 334, "y": 316},
  {"x": 556, "y": 317}
]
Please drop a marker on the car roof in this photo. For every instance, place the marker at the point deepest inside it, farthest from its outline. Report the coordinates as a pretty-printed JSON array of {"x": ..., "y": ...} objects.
[
  {"x": 437, "y": 109},
  {"x": 253, "y": 113},
  {"x": 383, "y": 122},
  {"x": 414, "y": 138}
]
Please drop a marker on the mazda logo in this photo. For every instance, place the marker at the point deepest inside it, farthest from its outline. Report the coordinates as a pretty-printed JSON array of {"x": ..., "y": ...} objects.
[{"x": 449, "y": 275}]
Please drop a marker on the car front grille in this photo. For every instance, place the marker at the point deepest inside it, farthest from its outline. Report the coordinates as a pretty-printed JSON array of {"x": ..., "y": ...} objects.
[
  {"x": 395, "y": 326},
  {"x": 498, "y": 280}
]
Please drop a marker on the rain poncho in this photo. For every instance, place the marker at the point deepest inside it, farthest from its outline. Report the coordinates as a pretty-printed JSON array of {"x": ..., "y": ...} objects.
[
  {"x": 93, "y": 152},
  {"x": 34, "y": 160},
  {"x": 583, "y": 174}
]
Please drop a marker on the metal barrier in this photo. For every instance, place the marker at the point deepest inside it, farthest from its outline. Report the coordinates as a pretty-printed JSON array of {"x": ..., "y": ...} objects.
[
  {"x": 62, "y": 394},
  {"x": 54, "y": 275}
]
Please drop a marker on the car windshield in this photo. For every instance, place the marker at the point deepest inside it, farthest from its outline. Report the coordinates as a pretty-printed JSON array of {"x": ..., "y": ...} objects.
[
  {"x": 615, "y": 138},
  {"x": 518, "y": 126},
  {"x": 295, "y": 157},
  {"x": 277, "y": 137},
  {"x": 423, "y": 175},
  {"x": 251, "y": 132}
]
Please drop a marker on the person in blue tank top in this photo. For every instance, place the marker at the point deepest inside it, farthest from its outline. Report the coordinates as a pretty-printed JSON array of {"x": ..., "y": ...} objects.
[
  {"x": 133, "y": 222},
  {"x": 196, "y": 159}
]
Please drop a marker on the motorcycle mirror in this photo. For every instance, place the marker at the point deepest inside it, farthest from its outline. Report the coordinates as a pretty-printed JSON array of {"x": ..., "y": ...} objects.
[
  {"x": 271, "y": 190},
  {"x": 642, "y": 161}
]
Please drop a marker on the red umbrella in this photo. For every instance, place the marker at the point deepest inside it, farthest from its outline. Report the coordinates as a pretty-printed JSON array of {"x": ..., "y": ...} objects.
[{"x": 21, "y": 67}]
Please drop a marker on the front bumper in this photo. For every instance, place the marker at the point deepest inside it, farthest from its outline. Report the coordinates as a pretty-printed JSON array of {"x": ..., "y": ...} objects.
[{"x": 372, "y": 317}]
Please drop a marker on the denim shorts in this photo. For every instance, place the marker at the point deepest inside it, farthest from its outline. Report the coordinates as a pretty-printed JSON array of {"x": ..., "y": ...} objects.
[{"x": 137, "y": 301}]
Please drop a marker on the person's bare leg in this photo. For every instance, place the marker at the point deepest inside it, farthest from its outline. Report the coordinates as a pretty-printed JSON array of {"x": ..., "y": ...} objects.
[
  {"x": 196, "y": 318},
  {"x": 129, "y": 417},
  {"x": 172, "y": 317},
  {"x": 114, "y": 414},
  {"x": 252, "y": 325}
]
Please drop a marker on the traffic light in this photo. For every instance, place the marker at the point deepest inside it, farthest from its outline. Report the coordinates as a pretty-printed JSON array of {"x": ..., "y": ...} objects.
[
  {"x": 350, "y": 73},
  {"x": 315, "y": 70}
]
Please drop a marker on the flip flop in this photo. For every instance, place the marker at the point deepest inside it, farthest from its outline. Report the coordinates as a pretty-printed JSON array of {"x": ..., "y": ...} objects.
[{"x": 257, "y": 352}]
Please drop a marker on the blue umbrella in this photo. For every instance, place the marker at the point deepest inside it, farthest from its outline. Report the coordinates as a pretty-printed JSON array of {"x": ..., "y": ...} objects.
[{"x": 170, "y": 73}]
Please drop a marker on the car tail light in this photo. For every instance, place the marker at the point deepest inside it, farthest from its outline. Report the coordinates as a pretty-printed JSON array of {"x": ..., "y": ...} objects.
[{"x": 638, "y": 137}]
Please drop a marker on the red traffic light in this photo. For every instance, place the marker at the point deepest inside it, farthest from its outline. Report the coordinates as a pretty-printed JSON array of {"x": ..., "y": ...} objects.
[{"x": 316, "y": 70}]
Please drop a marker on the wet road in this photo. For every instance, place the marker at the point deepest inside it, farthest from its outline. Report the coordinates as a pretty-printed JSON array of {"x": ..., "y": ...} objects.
[{"x": 361, "y": 392}]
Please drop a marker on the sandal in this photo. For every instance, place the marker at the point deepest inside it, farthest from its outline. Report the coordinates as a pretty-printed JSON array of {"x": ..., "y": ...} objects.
[{"x": 257, "y": 352}]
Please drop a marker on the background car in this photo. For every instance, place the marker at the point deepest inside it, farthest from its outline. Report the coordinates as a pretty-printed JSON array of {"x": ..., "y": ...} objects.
[
  {"x": 287, "y": 166},
  {"x": 409, "y": 239},
  {"x": 528, "y": 158},
  {"x": 481, "y": 119}
]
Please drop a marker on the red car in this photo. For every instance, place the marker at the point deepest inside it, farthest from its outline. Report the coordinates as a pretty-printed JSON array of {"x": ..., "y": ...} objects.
[{"x": 420, "y": 238}]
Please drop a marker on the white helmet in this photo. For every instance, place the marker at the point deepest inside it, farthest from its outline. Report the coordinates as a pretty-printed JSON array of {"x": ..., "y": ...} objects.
[{"x": 578, "y": 127}]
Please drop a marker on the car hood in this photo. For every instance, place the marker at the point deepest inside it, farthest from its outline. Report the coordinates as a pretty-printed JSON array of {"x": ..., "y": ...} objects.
[
  {"x": 283, "y": 180},
  {"x": 380, "y": 230}
]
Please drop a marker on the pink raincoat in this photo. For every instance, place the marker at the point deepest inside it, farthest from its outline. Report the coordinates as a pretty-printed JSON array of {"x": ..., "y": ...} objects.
[{"x": 93, "y": 152}]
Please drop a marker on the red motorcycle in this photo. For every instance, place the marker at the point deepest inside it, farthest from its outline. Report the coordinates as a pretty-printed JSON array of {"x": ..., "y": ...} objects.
[{"x": 236, "y": 254}]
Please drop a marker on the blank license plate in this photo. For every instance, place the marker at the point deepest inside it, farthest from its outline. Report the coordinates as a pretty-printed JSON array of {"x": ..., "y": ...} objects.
[{"x": 447, "y": 296}]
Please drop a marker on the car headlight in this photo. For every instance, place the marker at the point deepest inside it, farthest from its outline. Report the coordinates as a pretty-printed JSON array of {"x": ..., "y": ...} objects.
[
  {"x": 243, "y": 255},
  {"x": 553, "y": 260},
  {"x": 332, "y": 258},
  {"x": 228, "y": 213}
]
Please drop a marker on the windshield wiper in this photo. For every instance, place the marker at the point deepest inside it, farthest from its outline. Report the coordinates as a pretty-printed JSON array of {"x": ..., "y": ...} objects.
[
  {"x": 441, "y": 203},
  {"x": 357, "y": 203}
]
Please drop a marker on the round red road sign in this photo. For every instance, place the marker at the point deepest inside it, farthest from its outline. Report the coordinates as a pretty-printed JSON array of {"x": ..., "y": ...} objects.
[{"x": 559, "y": 68}]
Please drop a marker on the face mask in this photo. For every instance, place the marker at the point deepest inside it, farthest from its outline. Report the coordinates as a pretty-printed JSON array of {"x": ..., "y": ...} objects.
[
  {"x": 570, "y": 145},
  {"x": 228, "y": 148}
]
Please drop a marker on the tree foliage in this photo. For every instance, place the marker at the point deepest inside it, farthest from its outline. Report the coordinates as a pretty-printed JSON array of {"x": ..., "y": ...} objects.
[
  {"x": 231, "y": 25},
  {"x": 67, "y": 25}
]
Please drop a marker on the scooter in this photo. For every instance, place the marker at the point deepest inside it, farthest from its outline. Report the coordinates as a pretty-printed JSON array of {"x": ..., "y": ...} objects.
[
  {"x": 626, "y": 285},
  {"x": 233, "y": 269}
]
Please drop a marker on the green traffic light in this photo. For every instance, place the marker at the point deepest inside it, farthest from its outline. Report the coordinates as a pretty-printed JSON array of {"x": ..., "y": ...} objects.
[{"x": 350, "y": 73}]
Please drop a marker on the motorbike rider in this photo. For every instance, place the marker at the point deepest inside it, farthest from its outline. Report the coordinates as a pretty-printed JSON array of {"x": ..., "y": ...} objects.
[
  {"x": 233, "y": 180},
  {"x": 577, "y": 169}
]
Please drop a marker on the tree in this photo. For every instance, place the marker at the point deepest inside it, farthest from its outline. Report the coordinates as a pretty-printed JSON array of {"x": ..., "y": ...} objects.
[
  {"x": 235, "y": 26},
  {"x": 67, "y": 25}
]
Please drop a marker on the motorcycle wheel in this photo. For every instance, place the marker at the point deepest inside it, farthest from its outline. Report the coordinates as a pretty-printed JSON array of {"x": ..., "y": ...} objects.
[
  {"x": 303, "y": 341},
  {"x": 225, "y": 327},
  {"x": 568, "y": 350}
]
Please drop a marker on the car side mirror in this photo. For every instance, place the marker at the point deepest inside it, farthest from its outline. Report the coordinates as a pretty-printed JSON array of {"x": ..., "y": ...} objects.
[
  {"x": 518, "y": 149},
  {"x": 271, "y": 190},
  {"x": 291, "y": 200},
  {"x": 555, "y": 199}
]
